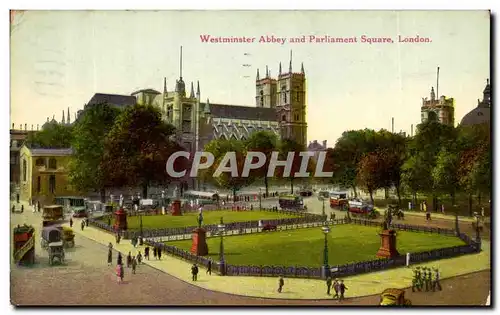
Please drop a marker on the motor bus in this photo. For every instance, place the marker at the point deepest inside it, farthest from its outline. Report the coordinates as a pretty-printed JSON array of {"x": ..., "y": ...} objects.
[
  {"x": 338, "y": 199},
  {"x": 52, "y": 213},
  {"x": 77, "y": 206},
  {"x": 291, "y": 202}
]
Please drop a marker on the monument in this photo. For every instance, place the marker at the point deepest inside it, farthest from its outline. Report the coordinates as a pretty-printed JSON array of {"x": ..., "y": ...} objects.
[
  {"x": 387, "y": 239},
  {"x": 199, "y": 246},
  {"x": 120, "y": 220},
  {"x": 176, "y": 204}
]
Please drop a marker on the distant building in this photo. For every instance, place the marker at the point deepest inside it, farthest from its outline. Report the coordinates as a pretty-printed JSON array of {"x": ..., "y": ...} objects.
[
  {"x": 440, "y": 109},
  {"x": 316, "y": 146},
  {"x": 17, "y": 140},
  {"x": 44, "y": 174},
  {"x": 481, "y": 114}
]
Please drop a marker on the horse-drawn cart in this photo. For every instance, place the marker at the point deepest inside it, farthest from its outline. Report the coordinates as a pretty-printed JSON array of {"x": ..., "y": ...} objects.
[{"x": 53, "y": 242}]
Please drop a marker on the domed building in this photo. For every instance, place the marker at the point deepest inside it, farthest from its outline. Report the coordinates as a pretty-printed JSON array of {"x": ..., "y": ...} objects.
[{"x": 480, "y": 114}]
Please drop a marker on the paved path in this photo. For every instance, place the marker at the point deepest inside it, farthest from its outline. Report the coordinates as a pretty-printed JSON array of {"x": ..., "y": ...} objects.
[{"x": 361, "y": 285}]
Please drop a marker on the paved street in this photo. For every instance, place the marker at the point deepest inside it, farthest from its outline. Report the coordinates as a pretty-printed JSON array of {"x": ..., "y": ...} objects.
[{"x": 87, "y": 280}]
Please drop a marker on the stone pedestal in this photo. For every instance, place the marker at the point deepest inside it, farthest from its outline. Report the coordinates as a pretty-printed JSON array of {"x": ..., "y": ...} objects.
[
  {"x": 388, "y": 244},
  {"x": 199, "y": 246},
  {"x": 176, "y": 207}
]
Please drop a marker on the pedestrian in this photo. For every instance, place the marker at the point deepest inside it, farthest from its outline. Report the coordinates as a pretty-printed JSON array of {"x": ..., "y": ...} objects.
[
  {"x": 86, "y": 221},
  {"x": 82, "y": 225},
  {"x": 436, "y": 283},
  {"x": 342, "y": 289},
  {"x": 118, "y": 273},
  {"x": 119, "y": 259},
  {"x": 70, "y": 222},
  {"x": 22, "y": 208},
  {"x": 146, "y": 252},
  {"x": 209, "y": 267},
  {"x": 428, "y": 280},
  {"x": 17, "y": 198},
  {"x": 122, "y": 273},
  {"x": 194, "y": 272},
  {"x": 328, "y": 285},
  {"x": 13, "y": 208},
  {"x": 109, "y": 220},
  {"x": 139, "y": 258},
  {"x": 110, "y": 257},
  {"x": 129, "y": 259},
  {"x": 442, "y": 208},
  {"x": 38, "y": 205},
  {"x": 281, "y": 283},
  {"x": 154, "y": 252},
  {"x": 134, "y": 265},
  {"x": 336, "y": 287},
  {"x": 159, "y": 253}
]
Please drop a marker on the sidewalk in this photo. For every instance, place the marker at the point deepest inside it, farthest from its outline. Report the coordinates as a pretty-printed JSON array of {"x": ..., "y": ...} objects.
[
  {"x": 434, "y": 215},
  {"x": 265, "y": 287}
]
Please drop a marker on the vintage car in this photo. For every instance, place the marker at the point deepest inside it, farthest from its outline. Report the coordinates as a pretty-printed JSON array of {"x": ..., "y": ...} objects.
[
  {"x": 306, "y": 192},
  {"x": 394, "y": 297},
  {"x": 291, "y": 202},
  {"x": 52, "y": 213}
]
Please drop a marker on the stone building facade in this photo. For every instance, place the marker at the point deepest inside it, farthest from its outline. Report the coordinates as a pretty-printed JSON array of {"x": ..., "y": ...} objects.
[
  {"x": 440, "y": 109},
  {"x": 44, "y": 174}
]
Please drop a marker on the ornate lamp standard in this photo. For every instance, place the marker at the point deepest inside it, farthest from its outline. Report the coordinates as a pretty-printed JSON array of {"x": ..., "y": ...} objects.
[
  {"x": 222, "y": 265},
  {"x": 326, "y": 268},
  {"x": 322, "y": 199},
  {"x": 260, "y": 199}
]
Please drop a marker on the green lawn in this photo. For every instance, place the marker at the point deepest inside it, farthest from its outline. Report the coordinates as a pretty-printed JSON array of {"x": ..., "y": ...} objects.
[
  {"x": 304, "y": 247},
  {"x": 209, "y": 217}
]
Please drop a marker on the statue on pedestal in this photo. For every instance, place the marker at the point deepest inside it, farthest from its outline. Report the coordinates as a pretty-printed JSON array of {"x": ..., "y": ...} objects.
[
  {"x": 200, "y": 219},
  {"x": 176, "y": 193}
]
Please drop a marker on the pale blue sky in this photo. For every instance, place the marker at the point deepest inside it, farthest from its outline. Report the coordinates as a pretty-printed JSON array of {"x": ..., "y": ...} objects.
[{"x": 59, "y": 59}]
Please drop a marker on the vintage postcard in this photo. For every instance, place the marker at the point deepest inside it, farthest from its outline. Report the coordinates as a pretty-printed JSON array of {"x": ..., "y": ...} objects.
[{"x": 321, "y": 158}]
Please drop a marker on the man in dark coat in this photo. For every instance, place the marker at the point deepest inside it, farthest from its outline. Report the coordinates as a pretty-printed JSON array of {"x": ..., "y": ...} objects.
[
  {"x": 336, "y": 288},
  {"x": 110, "y": 256},
  {"x": 70, "y": 222},
  {"x": 159, "y": 253},
  {"x": 129, "y": 259},
  {"x": 119, "y": 259},
  {"x": 342, "y": 289},
  {"x": 146, "y": 252},
  {"x": 328, "y": 285},
  {"x": 281, "y": 283},
  {"x": 82, "y": 225},
  {"x": 194, "y": 272},
  {"x": 209, "y": 267},
  {"x": 154, "y": 251}
]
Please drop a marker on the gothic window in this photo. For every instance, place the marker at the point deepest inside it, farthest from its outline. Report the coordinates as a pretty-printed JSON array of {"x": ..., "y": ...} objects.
[
  {"x": 261, "y": 98},
  {"x": 52, "y": 184},
  {"x": 233, "y": 137},
  {"x": 283, "y": 92},
  {"x": 52, "y": 163},
  {"x": 432, "y": 116},
  {"x": 283, "y": 118},
  {"x": 25, "y": 169},
  {"x": 38, "y": 184},
  {"x": 223, "y": 137},
  {"x": 296, "y": 117},
  {"x": 40, "y": 162}
]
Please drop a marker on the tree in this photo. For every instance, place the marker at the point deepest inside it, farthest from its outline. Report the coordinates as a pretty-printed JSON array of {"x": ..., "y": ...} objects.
[
  {"x": 348, "y": 152},
  {"x": 415, "y": 174},
  {"x": 264, "y": 142},
  {"x": 371, "y": 173},
  {"x": 286, "y": 146},
  {"x": 444, "y": 174},
  {"x": 89, "y": 133},
  {"x": 52, "y": 136},
  {"x": 137, "y": 148},
  {"x": 227, "y": 180}
]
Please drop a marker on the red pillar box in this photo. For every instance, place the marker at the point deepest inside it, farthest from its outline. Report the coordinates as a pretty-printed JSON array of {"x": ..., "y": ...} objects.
[
  {"x": 176, "y": 207},
  {"x": 120, "y": 220}
]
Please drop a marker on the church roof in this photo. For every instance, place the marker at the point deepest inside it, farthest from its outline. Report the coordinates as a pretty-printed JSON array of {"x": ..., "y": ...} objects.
[
  {"x": 242, "y": 112},
  {"x": 477, "y": 116},
  {"x": 147, "y": 91},
  {"x": 112, "y": 99}
]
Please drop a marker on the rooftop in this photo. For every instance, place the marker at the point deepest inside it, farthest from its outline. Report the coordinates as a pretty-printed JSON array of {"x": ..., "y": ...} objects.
[
  {"x": 148, "y": 91},
  {"x": 112, "y": 99},
  {"x": 242, "y": 112}
]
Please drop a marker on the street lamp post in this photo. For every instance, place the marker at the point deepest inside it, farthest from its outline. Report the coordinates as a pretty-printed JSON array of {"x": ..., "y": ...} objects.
[
  {"x": 322, "y": 199},
  {"x": 457, "y": 227},
  {"x": 478, "y": 237},
  {"x": 222, "y": 265},
  {"x": 260, "y": 199},
  {"x": 326, "y": 268}
]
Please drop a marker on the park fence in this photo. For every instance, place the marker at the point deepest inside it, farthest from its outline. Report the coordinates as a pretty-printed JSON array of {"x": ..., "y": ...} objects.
[
  {"x": 303, "y": 220},
  {"x": 471, "y": 246}
]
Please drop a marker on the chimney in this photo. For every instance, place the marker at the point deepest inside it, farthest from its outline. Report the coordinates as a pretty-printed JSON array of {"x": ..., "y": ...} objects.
[
  {"x": 25, "y": 126},
  {"x": 392, "y": 124},
  {"x": 412, "y": 130},
  {"x": 324, "y": 144}
]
